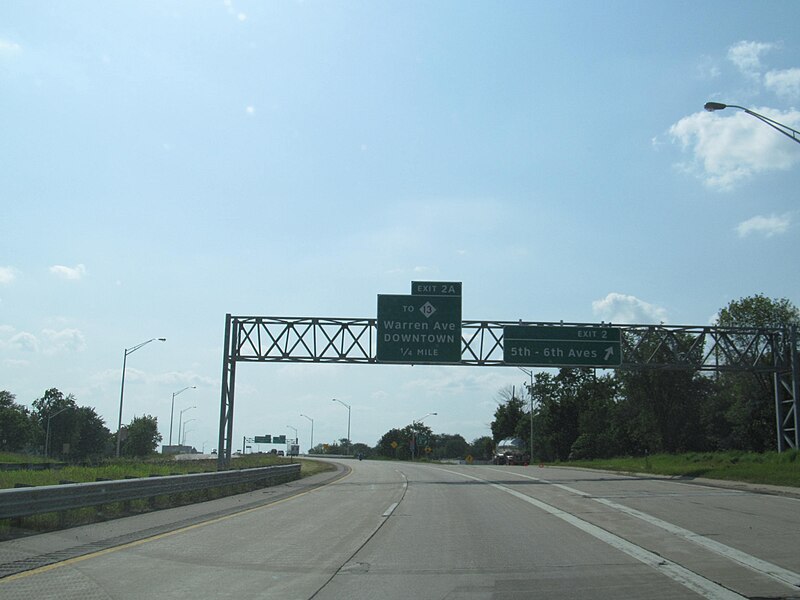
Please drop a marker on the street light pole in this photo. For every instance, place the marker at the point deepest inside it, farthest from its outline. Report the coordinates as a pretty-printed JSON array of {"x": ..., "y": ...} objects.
[
  {"x": 780, "y": 127},
  {"x": 311, "y": 447},
  {"x": 172, "y": 409},
  {"x": 530, "y": 393},
  {"x": 122, "y": 386},
  {"x": 47, "y": 435},
  {"x": 182, "y": 439},
  {"x": 347, "y": 406},
  {"x": 180, "y": 418},
  {"x": 414, "y": 432}
]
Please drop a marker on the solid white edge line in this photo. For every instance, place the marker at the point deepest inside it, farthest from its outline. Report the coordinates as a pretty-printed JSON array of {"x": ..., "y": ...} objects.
[
  {"x": 778, "y": 573},
  {"x": 697, "y": 583}
]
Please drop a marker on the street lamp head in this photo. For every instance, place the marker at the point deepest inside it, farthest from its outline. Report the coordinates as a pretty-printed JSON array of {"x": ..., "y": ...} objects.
[
  {"x": 712, "y": 106},
  {"x": 162, "y": 339}
]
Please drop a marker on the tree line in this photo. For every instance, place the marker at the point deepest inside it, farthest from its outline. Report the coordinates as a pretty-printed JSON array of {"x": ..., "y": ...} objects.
[
  {"x": 578, "y": 414},
  {"x": 414, "y": 441},
  {"x": 57, "y": 427}
]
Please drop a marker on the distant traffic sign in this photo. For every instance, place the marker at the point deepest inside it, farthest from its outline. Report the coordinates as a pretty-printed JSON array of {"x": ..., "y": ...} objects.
[
  {"x": 418, "y": 329},
  {"x": 263, "y": 439},
  {"x": 562, "y": 346}
]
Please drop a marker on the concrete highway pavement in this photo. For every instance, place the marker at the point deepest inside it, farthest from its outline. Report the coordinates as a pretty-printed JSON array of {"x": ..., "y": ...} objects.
[{"x": 400, "y": 530}]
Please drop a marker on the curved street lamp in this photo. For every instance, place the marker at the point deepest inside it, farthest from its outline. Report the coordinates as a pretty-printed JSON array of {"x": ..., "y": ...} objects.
[
  {"x": 47, "y": 435},
  {"x": 172, "y": 409},
  {"x": 414, "y": 432},
  {"x": 347, "y": 406},
  {"x": 180, "y": 418},
  {"x": 780, "y": 127},
  {"x": 529, "y": 373},
  {"x": 311, "y": 447},
  {"x": 122, "y": 386},
  {"x": 182, "y": 439}
]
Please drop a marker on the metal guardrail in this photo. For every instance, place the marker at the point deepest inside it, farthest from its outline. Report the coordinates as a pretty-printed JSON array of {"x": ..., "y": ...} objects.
[{"x": 24, "y": 502}]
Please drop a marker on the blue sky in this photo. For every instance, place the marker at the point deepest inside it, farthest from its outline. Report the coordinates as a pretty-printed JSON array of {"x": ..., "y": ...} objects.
[{"x": 165, "y": 163}]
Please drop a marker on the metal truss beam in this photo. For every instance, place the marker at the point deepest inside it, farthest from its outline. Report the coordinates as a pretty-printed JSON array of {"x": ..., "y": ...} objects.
[{"x": 762, "y": 351}]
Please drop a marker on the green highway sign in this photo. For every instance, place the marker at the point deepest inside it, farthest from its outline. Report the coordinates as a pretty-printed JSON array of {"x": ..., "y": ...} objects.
[
  {"x": 263, "y": 439},
  {"x": 419, "y": 329},
  {"x": 278, "y": 439},
  {"x": 435, "y": 288},
  {"x": 562, "y": 346}
]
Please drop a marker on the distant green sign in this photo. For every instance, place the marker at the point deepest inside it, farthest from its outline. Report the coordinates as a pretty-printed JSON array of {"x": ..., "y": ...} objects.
[
  {"x": 263, "y": 439},
  {"x": 418, "y": 329},
  {"x": 567, "y": 346},
  {"x": 278, "y": 439}
]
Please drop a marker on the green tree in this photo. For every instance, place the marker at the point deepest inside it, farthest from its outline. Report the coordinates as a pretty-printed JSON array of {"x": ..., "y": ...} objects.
[
  {"x": 405, "y": 443},
  {"x": 556, "y": 420},
  {"x": 142, "y": 436},
  {"x": 743, "y": 415},
  {"x": 17, "y": 430},
  {"x": 445, "y": 446},
  {"x": 76, "y": 432},
  {"x": 759, "y": 311},
  {"x": 510, "y": 411},
  {"x": 363, "y": 449},
  {"x": 661, "y": 410},
  {"x": 598, "y": 433},
  {"x": 482, "y": 448},
  {"x": 394, "y": 444},
  {"x": 58, "y": 411},
  {"x": 90, "y": 436}
]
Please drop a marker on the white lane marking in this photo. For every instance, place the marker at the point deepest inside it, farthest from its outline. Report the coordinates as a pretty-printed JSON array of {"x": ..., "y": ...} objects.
[
  {"x": 784, "y": 576},
  {"x": 705, "y": 587},
  {"x": 390, "y": 510}
]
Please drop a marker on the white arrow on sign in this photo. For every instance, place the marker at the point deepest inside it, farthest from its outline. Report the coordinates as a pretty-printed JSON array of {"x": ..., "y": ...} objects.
[{"x": 609, "y": 352}]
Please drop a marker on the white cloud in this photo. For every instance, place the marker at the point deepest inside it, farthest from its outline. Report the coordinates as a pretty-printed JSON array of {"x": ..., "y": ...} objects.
[
  {"x": 7, "y": 275},
  {"x": 71, "y": 273},
  {"x": 250, "y": 110},
  {"x": 784, "y": 83},
  {"x": 767, "y": 226},
  {"x": 622, "y": 308},
  {"x": 9, "y": 48},
  {"x": 24, "y": 342},
  {"x": 747, "y": 56},
  {"x": 51, "y": 341},
  {"x": 730, "y": 150},
  {"x": 65, "y": 340}
]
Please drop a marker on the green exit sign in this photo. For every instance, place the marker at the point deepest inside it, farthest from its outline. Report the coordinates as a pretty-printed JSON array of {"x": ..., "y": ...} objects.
[
  {"x": 418, "y": 329},
  {"x": 562, "y": 346},
  {"x": 263, "y": 439}
]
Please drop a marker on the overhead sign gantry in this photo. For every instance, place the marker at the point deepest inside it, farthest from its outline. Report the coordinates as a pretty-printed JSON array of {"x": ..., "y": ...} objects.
[{"x": 426, "y": 327}]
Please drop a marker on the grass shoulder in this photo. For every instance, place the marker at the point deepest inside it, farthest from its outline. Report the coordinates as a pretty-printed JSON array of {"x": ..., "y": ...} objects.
[
  {"x": 769, "y": 468},
  {"x": 146, "y": 467}
]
